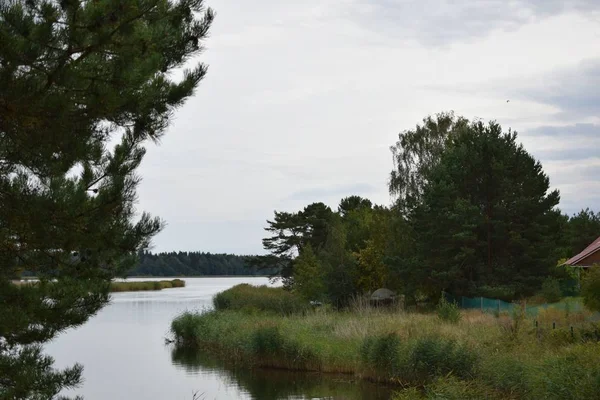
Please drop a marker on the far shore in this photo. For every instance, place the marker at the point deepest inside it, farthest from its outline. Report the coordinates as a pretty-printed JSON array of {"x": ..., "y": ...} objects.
[{"x": 198, "y": 276}]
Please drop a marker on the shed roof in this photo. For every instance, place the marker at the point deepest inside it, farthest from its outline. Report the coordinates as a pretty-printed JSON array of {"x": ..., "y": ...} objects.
[
  {"x": 588, "y": 251},
  {"x": 382, "y": 294}
]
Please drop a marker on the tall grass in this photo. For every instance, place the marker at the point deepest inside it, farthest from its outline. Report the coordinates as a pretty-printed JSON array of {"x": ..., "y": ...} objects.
[
  {"x": 145, "y": 285},
  {"x": 478, "y": 356},
  {"x": 249, "y": 298}
]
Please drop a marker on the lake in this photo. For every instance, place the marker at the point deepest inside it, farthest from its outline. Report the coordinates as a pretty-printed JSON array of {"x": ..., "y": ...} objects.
[{"x": 124, "y": 355}]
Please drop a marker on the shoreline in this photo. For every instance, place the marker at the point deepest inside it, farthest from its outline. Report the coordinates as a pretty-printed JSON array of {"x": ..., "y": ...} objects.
[{"x": 452, "y": 353}]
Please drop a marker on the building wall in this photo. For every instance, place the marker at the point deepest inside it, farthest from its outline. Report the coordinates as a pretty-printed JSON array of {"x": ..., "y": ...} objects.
[{"x": 591, "y": 259}]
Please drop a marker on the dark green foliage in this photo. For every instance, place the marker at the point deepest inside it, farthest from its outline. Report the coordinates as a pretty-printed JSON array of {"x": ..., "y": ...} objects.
[
  {"x": 581, "y": 230},
  {"x": 590, "y": 289},
  {"x": 567, "y": 377},
  {"x": 194, "y": 264},
  {"x": 551, "y": 291},
  {"x": 32, "y": 376},
  {"x": 506, "y": 374},
  {"x": 383, "y": 355},
  {"x": 418, "y": 361},
  {"x": 268, "y": 342},
  {"x": 186, "y": 328},
  {"x": 250, "y": 298},
  {"x": 433, "y": 356},
  {"x": 291, "y": 232},
  {"x": 76, "y": 75},
  {"x": 448, "y": 311},
  {"x": 353, "y": 203},
  {"x": 487, "y": 216}
]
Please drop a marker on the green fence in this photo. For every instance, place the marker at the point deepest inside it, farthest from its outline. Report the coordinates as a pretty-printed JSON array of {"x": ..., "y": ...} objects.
[{"x": 498, "y": 306}]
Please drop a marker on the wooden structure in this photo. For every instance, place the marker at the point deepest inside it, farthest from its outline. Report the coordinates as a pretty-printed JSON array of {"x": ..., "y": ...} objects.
[{"x": 588, "y": 257}]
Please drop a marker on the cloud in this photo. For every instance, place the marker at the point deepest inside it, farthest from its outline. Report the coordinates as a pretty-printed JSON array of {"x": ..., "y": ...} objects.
[
  {"x": 574, "y": 91},
  {"x": 435, "y": 22},
  {"x": 569, "y": 131},
  {"x": 303, "y": 99}
]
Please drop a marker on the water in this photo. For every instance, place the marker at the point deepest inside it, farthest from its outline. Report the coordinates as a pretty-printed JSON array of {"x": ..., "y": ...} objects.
[{"x": 125, "y": 356}]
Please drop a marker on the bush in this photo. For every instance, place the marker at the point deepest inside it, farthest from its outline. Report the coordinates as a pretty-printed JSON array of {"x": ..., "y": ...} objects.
[
  {"x": 434, "y": 356},
  {"x": 269, "y": 344},
  {"x": 571, "y": 376},
  {"x": 506, "y": 373},
  {"x": 419, "y": 361},
  {"x": 551, "y": 290},
  {"x": 382, "y": 355},
  {"x": 185, "y": 328},
  {"x": 248, "y": 298},
  {"x": 590, "y": 289},
  {"x": 447, "y": 311}
]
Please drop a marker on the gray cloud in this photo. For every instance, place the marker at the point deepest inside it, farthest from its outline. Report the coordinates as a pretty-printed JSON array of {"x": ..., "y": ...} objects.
[
  {"x": 435, "y": 22},
  {"x": 580, "y": 130},
  {"x": 574, "y": 90}
]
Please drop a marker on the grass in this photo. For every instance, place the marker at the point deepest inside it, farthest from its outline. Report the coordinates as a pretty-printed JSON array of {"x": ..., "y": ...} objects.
[
  {"x": 250, "y": 299},
  {"x": 145, "y": 285},
  {"x": 476, "y": 356}
]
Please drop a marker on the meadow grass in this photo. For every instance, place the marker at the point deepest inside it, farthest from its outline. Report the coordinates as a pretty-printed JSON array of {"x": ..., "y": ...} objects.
[
  {"x": 145, "y": 285},
  {"x": 476, "y": 356},
  {"x": 249, "y": 298}
]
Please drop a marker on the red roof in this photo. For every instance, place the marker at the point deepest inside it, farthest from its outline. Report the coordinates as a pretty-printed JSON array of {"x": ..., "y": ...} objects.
[{"x": 588, "y": 251}]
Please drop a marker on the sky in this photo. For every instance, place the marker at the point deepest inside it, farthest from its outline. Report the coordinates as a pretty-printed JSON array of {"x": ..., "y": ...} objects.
[{"x": 303, "y": 99}]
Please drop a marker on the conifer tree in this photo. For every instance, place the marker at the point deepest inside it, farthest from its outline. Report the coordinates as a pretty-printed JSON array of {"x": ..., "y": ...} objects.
[{"x": 74, "y": 76}]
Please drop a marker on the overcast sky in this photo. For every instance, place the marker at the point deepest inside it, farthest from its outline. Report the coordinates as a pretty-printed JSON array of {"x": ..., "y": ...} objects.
[{"x": 303, "y": 99}]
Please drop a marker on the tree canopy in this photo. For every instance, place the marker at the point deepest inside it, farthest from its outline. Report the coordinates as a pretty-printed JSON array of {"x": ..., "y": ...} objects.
[
  {"x": 487, "y": 217},
  {"x": 474, "y": 215},
  {"x": 76, "y": 75}
]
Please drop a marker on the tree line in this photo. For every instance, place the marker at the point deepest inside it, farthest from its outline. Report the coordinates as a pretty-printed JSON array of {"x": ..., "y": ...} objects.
[
  {"x": 194, "y": 264},
  {"x": 473, "y": 215}
]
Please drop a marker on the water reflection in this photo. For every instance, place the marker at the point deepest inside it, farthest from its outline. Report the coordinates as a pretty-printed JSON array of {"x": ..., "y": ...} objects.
[
  {"x": 271, "y": 384},
  {"x": 124, "y": 356}
]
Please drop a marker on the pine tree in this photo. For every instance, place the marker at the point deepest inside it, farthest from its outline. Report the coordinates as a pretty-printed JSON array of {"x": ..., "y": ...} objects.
[
  {"x": 487, "y": 224},
  {"x": 75, "y": 75}
]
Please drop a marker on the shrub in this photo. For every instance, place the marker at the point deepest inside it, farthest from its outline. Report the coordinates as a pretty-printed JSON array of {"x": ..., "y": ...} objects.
[
  {"x": 419, "y": 361},
  {"x": 506, "y": 373},
  {"x": 434, "y": 356},
  {"x": 574, "y": 375},
  {"x": 551, "y": 290},
  {"x": 248, "y": 298},
  {"x": 185, "y": 328},
  {"x": 448, "y": 311},
  {"x": 268, "y": 344},
  {"x": 590, "y": 289},
  {"x": 382, "y": 355}
]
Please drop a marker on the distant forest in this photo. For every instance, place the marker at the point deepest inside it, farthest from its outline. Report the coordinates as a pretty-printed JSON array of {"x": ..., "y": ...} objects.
[{"x": 194, "y": 264}]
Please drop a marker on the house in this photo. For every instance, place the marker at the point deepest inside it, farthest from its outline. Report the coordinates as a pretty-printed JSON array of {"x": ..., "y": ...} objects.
[{"x": 588, "y": 257}]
